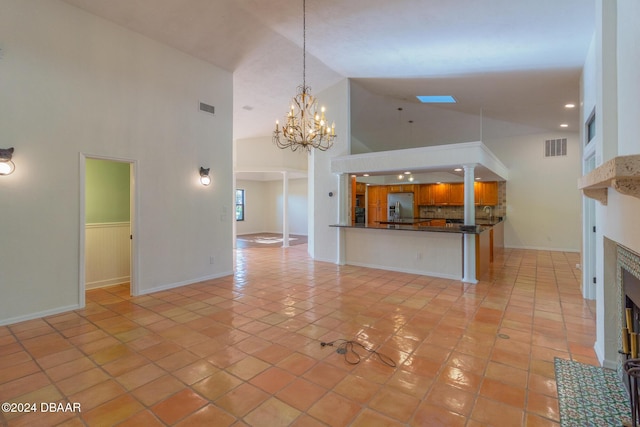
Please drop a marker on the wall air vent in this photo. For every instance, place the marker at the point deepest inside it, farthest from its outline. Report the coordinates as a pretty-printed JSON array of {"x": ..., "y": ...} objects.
[
  {"x": 207, "y": 108},
  {"x": 555, "y": 147}
]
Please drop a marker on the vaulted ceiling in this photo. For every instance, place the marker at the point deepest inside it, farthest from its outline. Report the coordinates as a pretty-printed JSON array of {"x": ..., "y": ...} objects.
[{"x": 515, "y": 63}]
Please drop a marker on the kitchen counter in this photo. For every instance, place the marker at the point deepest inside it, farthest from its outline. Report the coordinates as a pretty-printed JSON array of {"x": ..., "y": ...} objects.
[
  {"x": 421, "y": 224},
  {"x": 454, "y": 228},
  {"x": 426, "y": 250}
]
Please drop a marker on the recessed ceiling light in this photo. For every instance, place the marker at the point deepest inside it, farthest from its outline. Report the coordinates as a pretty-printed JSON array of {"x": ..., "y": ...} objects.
[
  {"x": 457, "y": 170},
  {"x": 400, "y": 176},
  {"x": 478, "y": 179},
  {"x": 436, "y": 99},
  {"x": 407, "y": 173},
  {"x": 366, "y": 174},
  {"x": 353, "y": 176},
  {"x": 564, "y": 125},
  {"x": 570, "y": 106}
]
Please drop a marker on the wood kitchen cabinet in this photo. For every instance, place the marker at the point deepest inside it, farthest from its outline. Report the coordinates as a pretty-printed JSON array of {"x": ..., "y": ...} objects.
[
  {"x": 456, "y": 194},
  {"x": 486, "y": 193},
  {"x": 361, "y": 188},
  {"x": 424, "y": 195},
  {"x": 377, "y": 204},
  {"x": 404, "y": 188},
  {"x": 441, "y": 194}
]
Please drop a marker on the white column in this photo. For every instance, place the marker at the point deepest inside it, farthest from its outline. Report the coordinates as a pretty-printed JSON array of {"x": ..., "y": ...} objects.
[
  {"x": 469, "y": 256},
  {"x": 344, "y": 207},
  {"x": 285, "y": 209}
]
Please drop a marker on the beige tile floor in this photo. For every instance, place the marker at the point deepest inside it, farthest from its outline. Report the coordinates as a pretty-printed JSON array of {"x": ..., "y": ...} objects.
[{"x": 245, "y": 350}]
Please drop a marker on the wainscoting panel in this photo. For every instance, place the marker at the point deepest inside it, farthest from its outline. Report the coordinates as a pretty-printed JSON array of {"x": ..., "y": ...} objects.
[{"x": 107, "y": 254}]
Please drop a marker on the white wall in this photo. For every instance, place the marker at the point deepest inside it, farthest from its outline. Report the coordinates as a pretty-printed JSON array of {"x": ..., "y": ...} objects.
[
  {"x": 261, "y": 155},
  {"x": 621, "y": 212},
  {"x": 73, "y": 83},
  {"x": 263, "y": 209},
  {"x": 256, "y": 200},
  {"x": 615, "y": 94},
  {"x": 628, "y": 37},
  {"x": 324, "y": 241},
  {"x": 297, "y": 206},
  {"x": 543, "y": 201}
]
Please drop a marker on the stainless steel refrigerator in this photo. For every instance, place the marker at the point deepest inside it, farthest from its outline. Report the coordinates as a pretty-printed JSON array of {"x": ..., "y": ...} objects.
[{"x": 400, "y": 206}]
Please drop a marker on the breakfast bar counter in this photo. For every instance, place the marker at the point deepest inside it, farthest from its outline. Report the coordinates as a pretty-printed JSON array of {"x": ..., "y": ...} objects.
[{"x": 418, "y": 249}]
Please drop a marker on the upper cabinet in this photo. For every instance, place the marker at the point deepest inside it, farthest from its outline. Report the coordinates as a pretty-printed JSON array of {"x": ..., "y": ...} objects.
[
  {"x": 425, "y": 195},
  {"x": 456, "y": 194},
  {"x": 452, "y": 194},
  {"x": 486, "y": 193},
  {"x": 441, "y": 195}
]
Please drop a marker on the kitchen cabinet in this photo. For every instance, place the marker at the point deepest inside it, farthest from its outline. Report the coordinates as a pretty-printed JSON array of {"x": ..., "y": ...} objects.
[
  {"x": 424, "y": 195},
  {"x": 361, "y": 188},
  {"x": 377, "y": 204},
  {"x": 456, "y": 194},
  {"x": 441, "y": 194},
  {"x": 486, "y": 193},
  {"x": 401, "y": 188}
]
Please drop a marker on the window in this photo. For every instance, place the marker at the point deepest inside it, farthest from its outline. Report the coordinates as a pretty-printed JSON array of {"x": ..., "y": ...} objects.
[
  {"x": 591, "y": 127},
  {"x": 239, "y": 205}
]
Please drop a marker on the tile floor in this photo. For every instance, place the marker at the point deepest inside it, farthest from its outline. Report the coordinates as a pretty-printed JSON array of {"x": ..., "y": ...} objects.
[{"x": 245, "y": 350}]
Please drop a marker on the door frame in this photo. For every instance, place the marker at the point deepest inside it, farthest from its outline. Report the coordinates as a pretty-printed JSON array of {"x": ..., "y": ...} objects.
[{"x": 133, "y": 221}]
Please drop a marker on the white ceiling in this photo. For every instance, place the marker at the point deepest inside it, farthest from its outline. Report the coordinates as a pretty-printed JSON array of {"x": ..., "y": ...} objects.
[{"x": 516, "y": 61}]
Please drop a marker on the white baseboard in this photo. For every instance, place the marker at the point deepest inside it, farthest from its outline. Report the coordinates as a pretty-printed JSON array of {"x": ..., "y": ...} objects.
[
  {"x": 107, "y": 282},
  {"x": 540, "y": 248},
  {"x": 184, "y": 283},
  {"x": 39, "y": 314},
  {"x": 406, "y": 270}
]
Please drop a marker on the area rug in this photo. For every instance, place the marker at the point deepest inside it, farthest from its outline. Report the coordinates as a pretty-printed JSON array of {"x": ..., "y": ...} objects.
[
  {"x": 589, "y": 396},
  {"x": 267, "y": 240}
]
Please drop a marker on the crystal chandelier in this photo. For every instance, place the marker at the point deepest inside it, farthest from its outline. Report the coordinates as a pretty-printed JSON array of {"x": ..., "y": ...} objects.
[{"x": 304, "y": 127}]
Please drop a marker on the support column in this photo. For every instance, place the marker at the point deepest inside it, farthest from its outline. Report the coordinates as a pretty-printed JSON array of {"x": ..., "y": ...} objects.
[
  {"x": 285, "y": 209},
  {"x": 344, "y": 207},
  {"x": 469, "y": 255}
]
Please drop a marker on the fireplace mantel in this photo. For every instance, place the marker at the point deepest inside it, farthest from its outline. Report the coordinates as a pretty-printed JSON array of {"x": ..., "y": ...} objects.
[{"x": 620, "y": 173}]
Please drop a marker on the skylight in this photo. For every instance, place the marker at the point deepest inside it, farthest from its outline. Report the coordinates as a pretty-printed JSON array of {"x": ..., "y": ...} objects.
[{"x": 436, "y": 99}]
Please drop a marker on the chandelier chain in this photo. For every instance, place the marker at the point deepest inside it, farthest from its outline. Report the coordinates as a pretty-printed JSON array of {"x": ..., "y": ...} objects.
[
  {"x": 305, "y": 127},
  {"x": 304, "y": 43}
]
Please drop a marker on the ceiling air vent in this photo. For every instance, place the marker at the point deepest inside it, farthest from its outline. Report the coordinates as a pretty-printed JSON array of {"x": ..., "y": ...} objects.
[
  {"x": 555, "y": 147},
  {"x": 207, "y": 108}
]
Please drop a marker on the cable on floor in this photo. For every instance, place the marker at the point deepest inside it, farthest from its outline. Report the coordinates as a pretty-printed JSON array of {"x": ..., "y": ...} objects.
[{"x": 351, "y": 356}]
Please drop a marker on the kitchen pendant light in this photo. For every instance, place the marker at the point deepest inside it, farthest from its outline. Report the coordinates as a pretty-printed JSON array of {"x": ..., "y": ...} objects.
[{"x": 304, "y": 127}]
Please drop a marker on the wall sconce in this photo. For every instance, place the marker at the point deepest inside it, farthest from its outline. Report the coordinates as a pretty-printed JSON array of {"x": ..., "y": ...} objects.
[
  {"x": 6, "y": 165},
  {"x": 205, "y": 179}
]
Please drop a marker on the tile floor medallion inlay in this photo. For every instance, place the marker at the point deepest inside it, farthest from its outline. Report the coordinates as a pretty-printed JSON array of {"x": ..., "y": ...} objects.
[{"x": 245, "y": 350}]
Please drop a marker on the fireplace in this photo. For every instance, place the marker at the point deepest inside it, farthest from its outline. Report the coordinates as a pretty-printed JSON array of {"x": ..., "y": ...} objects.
[{"x": 628, "y": 284}]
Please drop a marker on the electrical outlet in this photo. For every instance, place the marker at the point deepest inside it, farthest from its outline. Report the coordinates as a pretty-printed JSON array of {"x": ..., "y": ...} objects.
[{"x": 211, "y": 260}]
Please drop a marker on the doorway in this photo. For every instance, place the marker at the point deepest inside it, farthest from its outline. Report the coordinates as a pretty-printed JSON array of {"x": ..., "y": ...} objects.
[{"x": 107, "y": 224}]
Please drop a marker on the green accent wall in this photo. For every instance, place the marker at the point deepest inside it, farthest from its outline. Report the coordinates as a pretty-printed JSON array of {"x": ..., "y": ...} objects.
[{"x": 107, "y": 191}]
